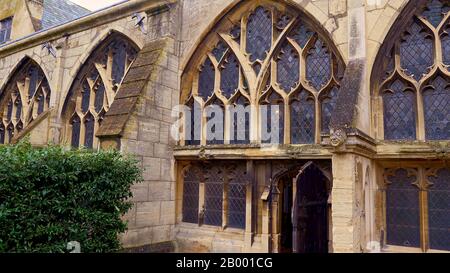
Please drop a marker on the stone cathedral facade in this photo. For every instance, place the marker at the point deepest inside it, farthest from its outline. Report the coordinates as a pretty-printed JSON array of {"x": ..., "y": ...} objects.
[{"x": 361, "y": 90}]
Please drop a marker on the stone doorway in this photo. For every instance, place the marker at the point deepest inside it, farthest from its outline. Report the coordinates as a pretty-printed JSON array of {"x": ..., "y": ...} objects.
[{"x": 304, "y": 213}]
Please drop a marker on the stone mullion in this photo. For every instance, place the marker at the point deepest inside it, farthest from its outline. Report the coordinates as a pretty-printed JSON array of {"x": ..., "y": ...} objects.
[
  {"x": 420, "y": 124},
  {"x": 203, "y": 123},
  {"x": 317, "y": 119},
  {"x": 201, "y": 202},
  {"x": 287, "y": 121},
  {"x": 225, "y": 201},
  {"x": 423, "y": 203}
]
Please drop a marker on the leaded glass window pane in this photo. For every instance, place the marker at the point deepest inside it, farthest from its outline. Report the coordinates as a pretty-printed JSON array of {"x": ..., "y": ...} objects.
[
  {"x": 89, "y": 124},
  {"x": 10, "y": 132},
  {"x": 301, "y": 34},
  {"x": 402, "y": 210},
  {"x": 9, "y": 110},
  {"x": 229, "y": 80},
  {"x": 435, "y": 11},
  {"x": 318, "y": 65},
  {"x": 18, "y": 108},
  {"x": 399, "y": 112},
  {"x": 219, "y": 51},
  {"x": 274, "y": 114},
  {"x": 2, "y": 133},
  {"x": 193, "y": 118},
  {"x": 86, "y": 96},
  {"x": 241, "y": 122},
  {"x": 259, "y": 34},
  {"x": 288, "y": 67},
  {"x": 41, "y": 103},
  {"x": 99, "y": 97},
  {"x": 214, "y": 197},
  {"x": 33, "y": 74},
  {"x": 119, "y": 61},
  {"x": 237, "y": 198},
  {"x": 76, "y": 126},
  {"x": 328, "y": 104},
  {"x": 215, "y": 123},
  {"x": 439, "y": 210},
  {"x": 446, "y": 45},
  {"x": 191, "y": 196},
  {"x": 206, "y": 80},
  {"x": 437, "y": 110},
  {"x": 303, "y": 119},
  {"x": 416, "y": 51}
]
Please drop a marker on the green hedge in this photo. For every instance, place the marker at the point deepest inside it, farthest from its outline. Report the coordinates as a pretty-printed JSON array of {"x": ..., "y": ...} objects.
[{"x": 51, "y": 196}]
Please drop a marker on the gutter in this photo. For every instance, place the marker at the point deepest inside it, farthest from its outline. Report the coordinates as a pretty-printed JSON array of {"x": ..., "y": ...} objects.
[{"x": 104, "y": 16}]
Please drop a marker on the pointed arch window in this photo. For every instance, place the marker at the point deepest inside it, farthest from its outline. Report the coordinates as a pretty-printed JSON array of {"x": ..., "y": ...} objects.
[
  {"x": 95, "y": 87},
  {"x": 267, "y": 50},
  {"x": 26, "y": 97},
  {"x": 416, "y": 71}
]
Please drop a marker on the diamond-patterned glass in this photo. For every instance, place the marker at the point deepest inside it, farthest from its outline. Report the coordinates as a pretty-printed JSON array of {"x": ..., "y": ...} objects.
[
  {"x": 259, "y": 34},
  {"x": 402, "y": 210},
  {"x": 288, "y": 67},
  {"x": 76, "y": 127},
  {"x": 301, "y": 34},
  {"x": 328, "y": 105},
  {"x": 399, "y": 112},
  {"x": 439, "y": 210},
  {"x": 417, "y": 51},
  {"x": 216, "y": 129},
  {"x": 446, "y": 45},
  {"x": 275, "y": 99},
  {"x": 302, "y": 119},
  {"x": 214, "y": 196},
  {"x": 206, "y": 80},
  {"x": 191, "y": 196},
  {"x": 89, "y": 123},
  {"x": 318, "y": 65},
  {"x": 435, "y": 11},
  {"x": 436, "y": 102},
  {"x": 241, "y": 123},
  {"x": 194, "y": 118},
  {"x": 229, "y": 79},
  {"x": 219, "y": 51},
  {"x": 237, "y": 198}
]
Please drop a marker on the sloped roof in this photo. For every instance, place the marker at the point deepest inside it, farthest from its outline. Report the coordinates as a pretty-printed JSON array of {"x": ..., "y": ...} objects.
[{"x": 57, "y": 12}]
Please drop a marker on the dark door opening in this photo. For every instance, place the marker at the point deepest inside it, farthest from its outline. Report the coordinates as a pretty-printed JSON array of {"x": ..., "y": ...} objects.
[{"x": 304, "y": 217}]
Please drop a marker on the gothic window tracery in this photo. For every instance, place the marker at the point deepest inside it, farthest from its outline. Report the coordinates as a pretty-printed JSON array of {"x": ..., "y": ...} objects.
[
  {"x": 26, "y": 97},
  {"x": 413, "y": 84},
  {"x": 267, "y": 49},
  {"x": 95, "y": 87}
]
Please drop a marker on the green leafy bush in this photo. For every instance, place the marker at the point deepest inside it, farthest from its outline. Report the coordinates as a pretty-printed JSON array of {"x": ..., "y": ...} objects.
[{"x": 51, "y": 196}]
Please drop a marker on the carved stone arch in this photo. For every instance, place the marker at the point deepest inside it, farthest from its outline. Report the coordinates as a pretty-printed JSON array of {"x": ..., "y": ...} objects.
[
  {"x": 98, "y": 80},
  {"x": 18, "y": 98}
]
